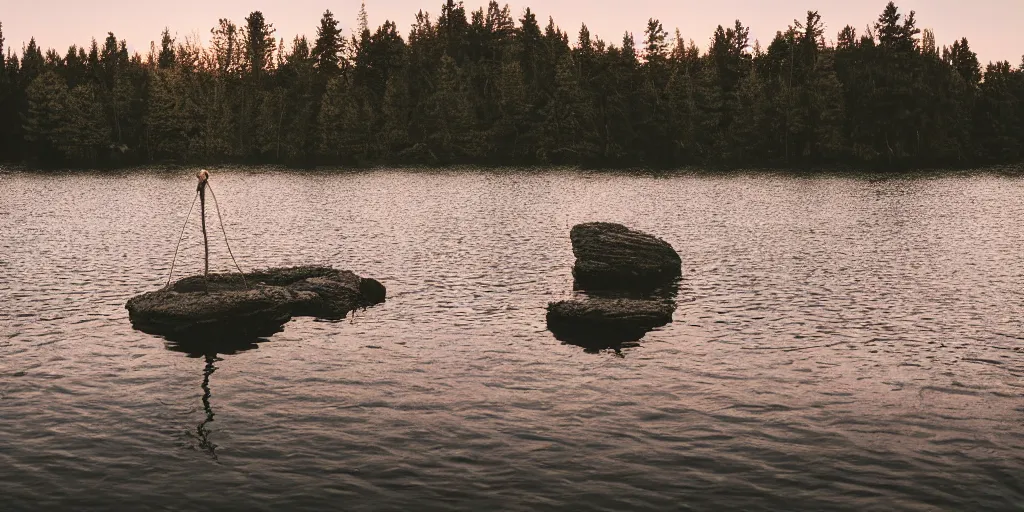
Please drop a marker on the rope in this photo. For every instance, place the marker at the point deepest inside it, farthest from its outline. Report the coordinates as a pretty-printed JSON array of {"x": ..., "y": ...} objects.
[
  {"x": 221, "y": 219},
  {"x": 190, "y": 208}
]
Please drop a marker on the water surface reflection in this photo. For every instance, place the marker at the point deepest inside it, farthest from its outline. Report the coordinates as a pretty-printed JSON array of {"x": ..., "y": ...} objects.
[
  {"x": 210, "y": 351},
  {"x": 838, "y": 344}
]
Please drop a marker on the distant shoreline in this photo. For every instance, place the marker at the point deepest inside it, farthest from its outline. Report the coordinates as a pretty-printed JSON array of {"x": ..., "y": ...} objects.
[
  {"x": 487, "y": 88},
  {"x": 839, "y": 171}
]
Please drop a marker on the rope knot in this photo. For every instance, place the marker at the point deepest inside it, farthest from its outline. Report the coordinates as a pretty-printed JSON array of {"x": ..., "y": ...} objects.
[{"x": 203, "y": 176}]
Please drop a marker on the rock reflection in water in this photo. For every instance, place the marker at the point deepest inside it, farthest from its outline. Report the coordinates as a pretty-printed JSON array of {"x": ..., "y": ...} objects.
[{"x": 214, "y": 348}]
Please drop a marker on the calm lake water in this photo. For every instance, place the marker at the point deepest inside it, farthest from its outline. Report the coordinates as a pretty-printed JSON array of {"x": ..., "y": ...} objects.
[{"x": 840, "y": 343}]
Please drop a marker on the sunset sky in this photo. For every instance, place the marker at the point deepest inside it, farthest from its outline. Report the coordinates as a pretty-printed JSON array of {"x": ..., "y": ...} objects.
[{"x": 992, "y": 26}]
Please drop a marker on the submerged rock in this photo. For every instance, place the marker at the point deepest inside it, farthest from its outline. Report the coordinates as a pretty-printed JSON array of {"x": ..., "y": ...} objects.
[
  {"x": 612, "y": 256},
  {"x": 223, "y": 307},
  {"x": 601, "y": 322}
]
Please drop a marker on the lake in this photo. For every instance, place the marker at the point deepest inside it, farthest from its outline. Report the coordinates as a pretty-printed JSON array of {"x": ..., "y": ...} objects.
[{"x": 839, "y": 343}]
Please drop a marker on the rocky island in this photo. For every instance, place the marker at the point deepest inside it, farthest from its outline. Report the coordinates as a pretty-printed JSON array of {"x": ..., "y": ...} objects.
[
  {"x": 628, "y": 281},
  {"x": 614, "y": 257},
  {"x": 228, "y": 307}
]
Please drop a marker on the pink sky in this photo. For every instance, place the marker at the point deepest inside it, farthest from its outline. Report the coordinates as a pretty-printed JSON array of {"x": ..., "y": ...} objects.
[{"x": 992, "y": 26}]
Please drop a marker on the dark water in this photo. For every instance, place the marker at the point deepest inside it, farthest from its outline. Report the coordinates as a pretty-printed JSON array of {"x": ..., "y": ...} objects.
[{"x": 839, "y": 344}]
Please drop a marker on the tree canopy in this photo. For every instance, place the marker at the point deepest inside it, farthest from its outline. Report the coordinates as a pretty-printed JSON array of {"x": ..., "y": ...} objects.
[{"x": 483, "y": 87}]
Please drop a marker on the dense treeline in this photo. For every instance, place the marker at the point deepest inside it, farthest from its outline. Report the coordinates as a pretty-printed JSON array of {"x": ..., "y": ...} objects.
[{"x": 481, "y": 88}]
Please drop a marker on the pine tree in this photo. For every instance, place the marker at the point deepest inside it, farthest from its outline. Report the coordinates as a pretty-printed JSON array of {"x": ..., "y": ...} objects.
[
  {"x": 655, "y": 41},
  {"x": 166, "y": 57},
  {"x": 510, "y": 132},
  {"x": 928, "y": 47},
  {"x": 46, "y": 118},
  {"x": 653, "y": 117},
  {"x": 32, "y": 64},
  {"x": 298, "y": 133},
  {"x": 395, "y": 111},
  {"x": 896, "y": 36},
  {"x": 452, "y": 27},
  {"x": 998, "y": 120},
  {"x": 709, "y": 114},
  {"x": 450, "y": 133},
  {"x": 745, "y": 141},
  {"x": 75, "y": 70},
  {"x": 847, "y": 38},
  {"x": 964, "y": 61},
  {"x": 165, "y": 116},
  {"x": 226, "y": 48},
  {"x": 897, "y": 115},
  {"x": 329, "y": 45},
  {"x": 259, "y": 45},
  {"x": 528, "y": 40},
  {"x": 85, "y": 137},
  {"x": 568, "y": 119},
  {"x": 345, "y": 122},
  {"x": 6, "y": 89},
  {"x": 11, "y": 109}
]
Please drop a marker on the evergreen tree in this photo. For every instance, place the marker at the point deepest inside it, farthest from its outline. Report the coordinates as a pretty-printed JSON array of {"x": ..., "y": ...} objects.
[
  {"x": 928, "y": 47},
  {"x": 85, "y": 136},
  {"x": 167, "y": 56},
  {"x": 964, "y": 61},
  {"x": 450, "y": 135},
  {"x": 897, "y": 113},
  {"x": 259, "y": 44},
  {"x": 894, "y": 35},
  {"x": 569, "y": 122},
  {"x": 510, "y": 133},
  {"x": 32, "y": 64},
  {"x": 6, "y": 109},
  {"x": 653, "y": 115},
  {"x": 395, "y": 111},
  {"x": 46, "y": 119},
  {"x": 453, "y": 26},
  {"x": 298, "y": 134},
  {"x": 12, "y": 108},
  {"x": 76, "y": 69},
  {"x": 746, "y": 140},
  {"x": 482, "y": 88},
  {"x": 347, "y": 122},
  {"x": 999, "y": 123},
  {"x": 709, "y": 112},
  {"x": 329, "y": 45},
  {"x": 226, "y": 48},
  {"x": 166, "y": 127}
]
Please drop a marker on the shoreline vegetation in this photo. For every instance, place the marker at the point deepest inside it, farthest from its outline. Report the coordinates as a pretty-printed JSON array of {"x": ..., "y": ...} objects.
[
  {"x": 857, "y": 172},
  {"x": 485, "y": 89}
]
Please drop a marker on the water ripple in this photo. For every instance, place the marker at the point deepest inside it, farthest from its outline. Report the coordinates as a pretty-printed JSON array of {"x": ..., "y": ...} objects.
[{"x": 840, "y": 344}]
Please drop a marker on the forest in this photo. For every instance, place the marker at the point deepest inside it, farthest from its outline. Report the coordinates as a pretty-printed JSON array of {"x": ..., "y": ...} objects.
[{"x": 484, "y": 88}]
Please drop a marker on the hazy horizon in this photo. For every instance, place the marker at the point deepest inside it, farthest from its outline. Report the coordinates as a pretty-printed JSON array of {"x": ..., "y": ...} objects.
[{"x": 989, "y": 25}]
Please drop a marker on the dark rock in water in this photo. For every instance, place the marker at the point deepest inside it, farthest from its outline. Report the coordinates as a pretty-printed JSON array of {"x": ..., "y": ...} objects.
[
  {"x": 612, "y": 256},
  {"x": 603, "y": 322},
  {"x": 635, "y": 277},
  {"x": 224, "y": 307}
]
